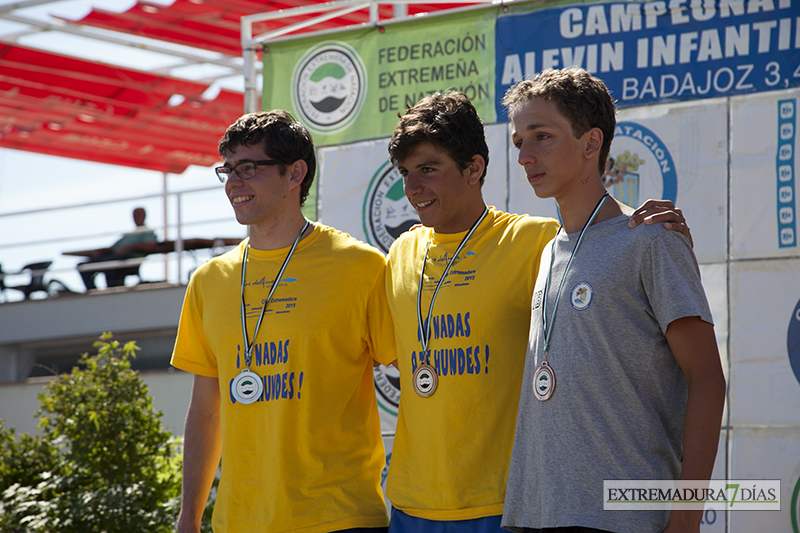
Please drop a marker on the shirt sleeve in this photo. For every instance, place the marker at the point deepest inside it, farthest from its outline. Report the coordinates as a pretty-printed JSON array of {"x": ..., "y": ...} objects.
[
  {"x": 192, "y": 351},
  {"x": 671, "y": 278},
  {"x": 379, "y": 321}
]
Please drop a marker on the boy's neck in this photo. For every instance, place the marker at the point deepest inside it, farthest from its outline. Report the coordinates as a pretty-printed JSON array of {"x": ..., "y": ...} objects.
[
  {"x": 575, "y": 211},
  {"x": 280, "y": 233}
]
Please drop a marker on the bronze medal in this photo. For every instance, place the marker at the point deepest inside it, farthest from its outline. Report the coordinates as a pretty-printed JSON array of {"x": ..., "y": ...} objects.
[
  {"x": 425, "y": 380},
  {"x": 544, "y": 379}
]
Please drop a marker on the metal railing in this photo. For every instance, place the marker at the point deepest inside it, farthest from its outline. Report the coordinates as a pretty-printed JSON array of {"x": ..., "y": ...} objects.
[{"x": 36, "y": 236}]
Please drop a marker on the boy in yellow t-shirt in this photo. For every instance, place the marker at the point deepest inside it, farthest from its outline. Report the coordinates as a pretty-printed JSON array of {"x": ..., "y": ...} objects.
[{"x": 281, "y": 333}]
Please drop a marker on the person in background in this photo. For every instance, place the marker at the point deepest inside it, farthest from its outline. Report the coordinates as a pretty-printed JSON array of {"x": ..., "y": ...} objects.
[{"x": 137, "y": 243}]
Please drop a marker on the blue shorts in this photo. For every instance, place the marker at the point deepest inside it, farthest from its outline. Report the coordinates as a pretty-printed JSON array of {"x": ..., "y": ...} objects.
[
  {"x": 363, "y": 530},
  {"x": 404, "y": 523}
]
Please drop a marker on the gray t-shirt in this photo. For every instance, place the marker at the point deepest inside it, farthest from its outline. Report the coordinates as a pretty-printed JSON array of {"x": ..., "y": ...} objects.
[{"x": 618, "y": 407}]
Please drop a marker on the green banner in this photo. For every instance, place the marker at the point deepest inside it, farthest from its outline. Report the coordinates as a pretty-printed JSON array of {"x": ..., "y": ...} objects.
[{"x": 350, "y": 86}]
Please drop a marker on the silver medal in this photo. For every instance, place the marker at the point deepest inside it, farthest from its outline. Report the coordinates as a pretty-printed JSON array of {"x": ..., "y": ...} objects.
[
  {"x": 425, "y": 380},
  {"x": 544, "y": 382},
  {"x": 247, "y": 387}
]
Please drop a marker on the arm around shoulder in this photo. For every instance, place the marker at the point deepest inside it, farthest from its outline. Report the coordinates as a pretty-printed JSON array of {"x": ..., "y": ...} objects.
[{"x": 655, "y": 211}]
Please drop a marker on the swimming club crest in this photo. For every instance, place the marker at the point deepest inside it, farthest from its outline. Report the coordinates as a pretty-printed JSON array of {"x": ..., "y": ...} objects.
[
  {"x": 329, "y": 85},
  {"x": 387, "y": 212},
  {"x": 639, "y": 166}
]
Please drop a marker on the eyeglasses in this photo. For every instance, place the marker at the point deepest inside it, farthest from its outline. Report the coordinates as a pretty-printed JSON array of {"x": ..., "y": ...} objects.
[{"x": 245, "y": 169}]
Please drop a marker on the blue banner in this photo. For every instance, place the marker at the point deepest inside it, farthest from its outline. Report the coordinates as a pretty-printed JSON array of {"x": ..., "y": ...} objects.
[
  {"x": 657, "y": 51},
  {"x": 785, "y": 163}
]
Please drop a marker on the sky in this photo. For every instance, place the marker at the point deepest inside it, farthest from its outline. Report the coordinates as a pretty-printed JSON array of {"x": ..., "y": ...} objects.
[{"x": 49, "y": 205}]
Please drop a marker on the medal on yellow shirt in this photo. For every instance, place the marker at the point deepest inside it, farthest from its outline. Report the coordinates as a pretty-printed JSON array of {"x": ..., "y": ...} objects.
[
  {"x": 425, "y": 378},
  {"x": 544, "y": 378},
  {"x": 247, "y": 387}
]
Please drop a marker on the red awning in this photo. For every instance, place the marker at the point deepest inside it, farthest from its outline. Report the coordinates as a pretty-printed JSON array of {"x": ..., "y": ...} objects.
[
  {"x": 64, "y": 106},
  {"x": 215, "y": 24},
  {"x": 211, "y": 25},
  {"x": 71, "y": 107}
]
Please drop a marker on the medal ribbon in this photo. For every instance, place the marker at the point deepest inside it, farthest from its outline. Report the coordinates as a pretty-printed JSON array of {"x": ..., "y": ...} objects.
[
  {"x": 549, "y": 330},
  {"x": 425, "y": 333},
  {"x": 248, "y": 347}
]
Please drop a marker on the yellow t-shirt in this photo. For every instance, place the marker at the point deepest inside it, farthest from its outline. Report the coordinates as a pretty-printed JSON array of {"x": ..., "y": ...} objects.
[
  {"x": 451, "y": 450},
  {"x": 306, "y": 457}
]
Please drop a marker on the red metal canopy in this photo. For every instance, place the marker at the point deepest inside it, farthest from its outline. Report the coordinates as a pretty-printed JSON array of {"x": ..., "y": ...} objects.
[
  {"x": 69, "y": 107},
  {"x": 72, "y": 107},
  {"x": 215, "y": 24}
]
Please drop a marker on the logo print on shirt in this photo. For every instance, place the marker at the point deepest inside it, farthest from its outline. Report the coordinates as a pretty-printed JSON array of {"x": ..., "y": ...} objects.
[
  {"x": 537, "y": 299},
  {"x": 581, "y": 295},
  {"x": 279, "y": 304},
  {"x": 457, "y": 277}
]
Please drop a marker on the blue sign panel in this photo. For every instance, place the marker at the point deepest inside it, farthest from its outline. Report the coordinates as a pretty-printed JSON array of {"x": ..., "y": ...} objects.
[
  {"x": 658, "y": 51},
  {"x": 787, "y": 124}
]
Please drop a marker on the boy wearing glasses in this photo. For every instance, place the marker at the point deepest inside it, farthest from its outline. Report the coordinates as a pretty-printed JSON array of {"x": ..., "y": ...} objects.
[{"x": 281, "y": 333}]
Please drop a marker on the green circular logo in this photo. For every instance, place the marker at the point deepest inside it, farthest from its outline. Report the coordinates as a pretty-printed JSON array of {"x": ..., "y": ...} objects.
[
  {"x": 329, "y": 85},
  {"x": 387, "y": 212}
]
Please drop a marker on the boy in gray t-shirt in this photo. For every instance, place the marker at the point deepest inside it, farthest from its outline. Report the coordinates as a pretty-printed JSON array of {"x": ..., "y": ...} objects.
[{"x": 622, "y": 378}]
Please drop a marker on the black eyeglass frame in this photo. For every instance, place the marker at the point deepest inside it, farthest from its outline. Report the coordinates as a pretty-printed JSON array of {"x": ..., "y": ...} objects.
[{"x": 224, "y": 172}]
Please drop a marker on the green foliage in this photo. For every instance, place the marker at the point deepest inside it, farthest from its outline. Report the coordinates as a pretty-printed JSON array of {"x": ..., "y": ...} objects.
[
  {"x": 103, "y": 462},
  {"x": 23, "y": 458}
]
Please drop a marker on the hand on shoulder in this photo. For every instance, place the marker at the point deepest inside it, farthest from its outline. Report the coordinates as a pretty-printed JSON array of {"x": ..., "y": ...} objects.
[{"x": 661, "y": 211}]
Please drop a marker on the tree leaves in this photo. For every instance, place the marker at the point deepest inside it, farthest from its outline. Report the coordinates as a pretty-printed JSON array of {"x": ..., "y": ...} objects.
[{"x": 103, "y": 461}]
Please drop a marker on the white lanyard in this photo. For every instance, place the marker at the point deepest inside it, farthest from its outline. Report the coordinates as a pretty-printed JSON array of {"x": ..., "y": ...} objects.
[
  {"x": 248, "y": 347},
  {"x": 549, "y": 330},
  {"x": 425, "y": 333}
]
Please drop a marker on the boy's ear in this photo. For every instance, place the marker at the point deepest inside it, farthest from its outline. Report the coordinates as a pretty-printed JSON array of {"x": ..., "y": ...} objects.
[
  {"x": 594, "y": 142},
  {"x": 297, "y": 172},
  {"x": 475, "y": 169}
]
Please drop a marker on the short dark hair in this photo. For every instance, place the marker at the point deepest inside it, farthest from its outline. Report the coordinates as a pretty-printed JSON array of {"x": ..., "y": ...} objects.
[
  {"x": 583, "y": 99},
  {"x": 448, "y": 121},
  {"x": 281, "y": 137}
]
